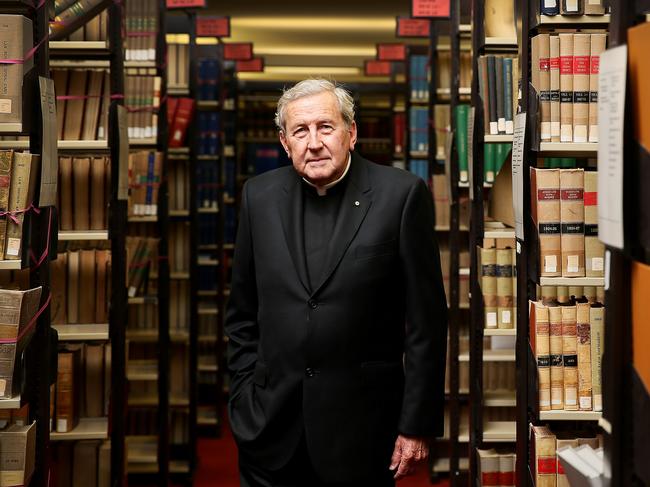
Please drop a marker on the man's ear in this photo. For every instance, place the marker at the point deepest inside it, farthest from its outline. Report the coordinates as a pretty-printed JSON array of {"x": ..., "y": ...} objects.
[
  {"x": 283, "y": 141},
  {"x": 353, "y": 134}
]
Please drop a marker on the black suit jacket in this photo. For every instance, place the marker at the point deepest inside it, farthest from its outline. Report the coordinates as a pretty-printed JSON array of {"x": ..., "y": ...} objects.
[{"x": 361, "y": 356}]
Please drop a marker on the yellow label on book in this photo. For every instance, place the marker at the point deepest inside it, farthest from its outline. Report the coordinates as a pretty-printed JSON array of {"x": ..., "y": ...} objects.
[{"x": 5, "y": 105}]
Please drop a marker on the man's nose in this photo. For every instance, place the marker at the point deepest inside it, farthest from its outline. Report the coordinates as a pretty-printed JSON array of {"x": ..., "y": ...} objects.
[{"x": 314, "y": 142}]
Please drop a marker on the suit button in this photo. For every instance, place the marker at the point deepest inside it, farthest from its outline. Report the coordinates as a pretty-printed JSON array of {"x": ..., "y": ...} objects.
[
  {"x": 309, "y": 372},
  {"x": 312, "y": 304}
]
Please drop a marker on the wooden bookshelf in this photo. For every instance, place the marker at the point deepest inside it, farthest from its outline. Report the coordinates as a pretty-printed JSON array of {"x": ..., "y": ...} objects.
[
  {"x": 569, "y": 148},
  {"x": 82, "y": 332},
  {"x": 506, "y": 399},
  {"x": 87, "y": 429},
  {"x": 76, "y": 235},
  {"x": 500, "y": 431},
  {"x": 572, "y": 281},
  {"x": 569, "y": 415},
  {"x": 13, "y": 403},
  {"x": 500, "y": 332},
  {"x": 500, "y": 138}
]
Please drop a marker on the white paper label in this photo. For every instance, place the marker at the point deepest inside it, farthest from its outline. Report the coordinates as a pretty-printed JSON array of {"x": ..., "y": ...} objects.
[
  {"x": 550, "y": 4},
  {"x": 546, "y": 131},
  {"x": 593, "y": 133},
  {"x": 550, "y": 263},
  {"x": 570, "y": 397},
  {"x": 3, "y": 386},
  {"x": 13, "y": 247},
  {"x": 571, "y": 5},
  {"x": 555, "y": 129},
  {"x": 597, "y": 264},
  {"x": 556, "y": 402},
  {"x": 491, "y": 319},
  {"x": 501, "y": 124},
  {"x": 518, "y": 173},
  {"x": 594, "y": 2},
  {"x": 510, "y": 126},
  {"x": 494, "y": 128},
  {"x": 608, "y": 259},
  {"x": 585, "y": 403},
  {"x": 580, "y": 134},
  {"x": 5, "y": 105},
  {"x": 572, "y": 263},
  {"x": 62, "y": 425},
  {"x": 505, "y": 317}
]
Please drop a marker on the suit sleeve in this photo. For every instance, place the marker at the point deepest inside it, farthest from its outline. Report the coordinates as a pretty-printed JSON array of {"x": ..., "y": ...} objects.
[
  {"x": 241, "y": 325},
  {"x": 426, "y": 318}
]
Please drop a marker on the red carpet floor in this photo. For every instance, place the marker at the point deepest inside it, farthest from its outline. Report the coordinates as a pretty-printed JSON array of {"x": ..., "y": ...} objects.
[{"x": 218, "y": 465}]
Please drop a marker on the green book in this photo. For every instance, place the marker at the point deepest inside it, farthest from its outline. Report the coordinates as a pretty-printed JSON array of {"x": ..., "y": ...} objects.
[
  {"x": 488, "y": 162},
  {"x": 462, "y": 117}
]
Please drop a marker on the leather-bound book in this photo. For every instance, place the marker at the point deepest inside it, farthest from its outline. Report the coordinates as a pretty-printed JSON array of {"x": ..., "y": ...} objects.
[
  {"x": 583, "y": 333},
  {"x": 572, "y": 217},
  {"x": 25, "y": 174},
  {"x": 81, "y": 194},
  {"x": 566, "y": 87},
  {"x": 570, "y": 357},
  {"x": 545, "y": 193}
]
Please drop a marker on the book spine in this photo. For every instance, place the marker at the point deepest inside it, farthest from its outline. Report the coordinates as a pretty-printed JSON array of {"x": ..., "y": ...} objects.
[
  {"x": 583, "y": 333},
  {"x": 549, "y": 7},
  {"x": 488, "y": 162},
  {"x": 570, "y": 358},
  {"x": 507, "y": 95},
  {"x": 598, "y": 43},
  {"x": 566, "y": 87},
  {"x": 66, "y": 411},
  {"x": 489, "y": 286},
  {"x": 483, "y": 90},
  {"x": 554, "y": 73},
  {"x": 542, "y": 354},
  {"x": 562, "y": 480},
  {"x": 581, "y": 51},
  {"x": 544, "y": 461},
  {"x": 504, "y": 288},
  {"x": 597, "y": 322},
  {"x": 6, "y": 163},
  {"x": 501, "y": 118},
  {"x": 594, "y": 7},
  {"x": 543, "y": 46},
  {"x": 572, "y": 218},
  {"x": 555, "y": 350},
  {"x": 492, "y": 88},
  {"x": 21, "y": 194},
  {"x": 462, "y": 115},
  {"x": 594, "y": 248},
  {"x": 546, "y": 191}
]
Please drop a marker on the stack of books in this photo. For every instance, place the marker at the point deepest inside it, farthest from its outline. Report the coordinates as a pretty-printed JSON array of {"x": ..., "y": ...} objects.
[
  {"x": 496, "y": 468},
  {"x": 141, "y": 29},
  {"x": 499, "y": 285}
]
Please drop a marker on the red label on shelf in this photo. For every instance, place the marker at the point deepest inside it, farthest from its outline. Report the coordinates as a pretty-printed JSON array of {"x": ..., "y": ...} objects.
[
  {"x": 554, "y": 63},
  {"x": 566, "y": 64},
  {"x": 546, "y": 465},
  {"x": 391, "y": 52},
  {"x": 185, "y": 3},
  {"x": 213, "y": 26},
  {"x": 255, "y": 65},
  {"x": 591, "y": 198},
  {"x": 580, "y": 64},
  {"x": 407, "y": 27},
  {"x": 595, "y": 64},
  {"x": 238, "y": 51},
  {"x": 544, "y": 64},
  {"x": 430, "y": 8},
  {"x": 377, "y": 68}
]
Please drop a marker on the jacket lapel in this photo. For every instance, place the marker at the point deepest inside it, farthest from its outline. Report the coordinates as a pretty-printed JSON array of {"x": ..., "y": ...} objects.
[
  {"x": 292, "y": 223},
  {"x": 354, "y": 207}
]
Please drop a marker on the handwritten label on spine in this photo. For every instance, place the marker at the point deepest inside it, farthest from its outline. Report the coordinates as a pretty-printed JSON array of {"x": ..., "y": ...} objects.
[
  {"x": 430, "y": 8},
  {"x": 238, "y": 51},
  {"x": 407, "y": 27},
  {"x": 391, "y": 52},
  {"x": 213, "y": 26},
  {"x": 518, "y": 173}
]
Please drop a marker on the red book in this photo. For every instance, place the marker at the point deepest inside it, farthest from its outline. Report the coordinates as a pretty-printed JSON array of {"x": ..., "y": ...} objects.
[
  {"x": 180, "y": 122},
  {"x": 400, "y": 127},
  {"x": 172, "y": 103}
]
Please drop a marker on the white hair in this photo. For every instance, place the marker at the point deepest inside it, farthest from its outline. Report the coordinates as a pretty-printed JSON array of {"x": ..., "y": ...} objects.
[{"x": 316, "y": 86}]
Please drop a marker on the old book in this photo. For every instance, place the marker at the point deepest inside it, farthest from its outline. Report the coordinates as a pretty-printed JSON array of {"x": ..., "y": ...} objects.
[
  {"x": 545, "y": 208},
  {"x": 572, "y": 7},
  {"x": 543, "y": 461},
  {"x": 87, "y": 285},
  {"x": 181, "y": 122},
  {"x": 75, "y": 106},
  {"x": 549, "y": 7},
  {"x": 554, "y": 73},
  {"x": 93, "y": 105},
  {"x": 507, "y": 95},
  {"x": 597, "y": 322},
  {"x": 499, "y": 18},
  {"x": 98, "y": 200},
  {"x": 107, "y": 378},
  {"x": 85, "y": 463},
  {"x": 572, "y": 217},
  {"x": 543, "y": 49},
  {"x": 68, "y": 389},
  {"x": 504, "y": 288},
  {"x": 581, "y": 51},
  {"x": 570, "y": 357},
  {"x": 81, "y": 193},
  {"x": 594, "y": 248},
  {"x": 501, "y": 117},
  {"x": 583, "y": 333},
  {"x": 65, "y": 193},
  {"x": 24, "y": 176},
  {"x": 492, "y": 89},
  {"x": 101, "y": 291},
  {"x": 488, "y": 462},
  {"x": 60, "y": 77},
  {"x": 594, "y": 7},
  {"x": 483, "y": 90},
  {"x": 73, "y": 287},
  {"x": 92, "y": 29},
  {"x": 6, "y": 163},
  {"x": 489, "y": 285},
  {"x": 598, "y": 43},
  {"x": 104, "y": 465},
  {"x": 506, "y": 470},
  {"x": 16, "y": 38},
  {"x": 566, "y": 87},
  {"x": 59, "y": 285},
  {"x": 17, "y": 454},
  {"x": 539, "y": 336},
  {"x": 557, "y": 366},
  {"x": 94, "y": 387},
  {"x": 562, "y": 480}
]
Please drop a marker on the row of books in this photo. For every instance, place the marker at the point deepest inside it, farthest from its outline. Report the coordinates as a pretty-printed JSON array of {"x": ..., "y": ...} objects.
[
  {"x": 178, "y": 65},
  {"x": 463, "y": 261},
  {"x": 141, "y": 22},
  {"x": 565, "y": 76},
  {"x": 179, "y": 306},
  {"x": 545, "y": 465},
  {"x": 418, "y": 129},
  {"x": 19, "y": 175},
  {"x": 263, "y": 157},
  {"x": 81, "y": 286},
  {"x": 498, "y": 89},
  {"x": 568, "y": 344},
  {"x": 565, "y": 211},
  {"x": 499, "y": 286},
  {"x": 84, "y": 192},
  {"x": 17, "y": 40},
  {"x": 496, "y": 468},
  {"x": 142, "y": 100},
  {"x": 83, "y": 100},
  {"x": 208, "y": 229},
  {"x": 572, "y": 7},
  {"x": 179, "y": 246},
  {"x": 66, "y": 11},
  {"x": 145, "y": 170},
  {"x": 420, "y": 167},
  {"x": 141, "y": 258},
  {"x": 208, "y": 79},
  {"x": 96, "y": 29},
  {"x": 419, "y": 73},
  {"x": 443, "y": 68},
  {"x": 144, "y": 422},
  {"x": 257, "y": 120},
  {"x": 440, "y": 186},
  {"x": 179, "y": 185},
  {"x": 81, "y": 463},
  {"x": 207, "y": 173},
  {"x": 179, "y": 115},
  {"x": 209, "y": 123},
  {"x": 207, "y": 326},
  {"x": 494, "y": 155}
]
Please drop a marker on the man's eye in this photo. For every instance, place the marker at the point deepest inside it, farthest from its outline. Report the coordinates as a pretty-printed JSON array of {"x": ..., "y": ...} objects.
[{"x": 299, "y": 132}]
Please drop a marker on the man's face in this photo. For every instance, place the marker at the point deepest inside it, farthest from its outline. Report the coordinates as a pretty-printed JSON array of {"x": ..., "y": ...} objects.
[{"x": 317, "y": 139}]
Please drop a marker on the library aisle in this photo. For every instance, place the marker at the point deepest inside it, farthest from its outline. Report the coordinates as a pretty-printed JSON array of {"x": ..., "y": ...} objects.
[{"x": 514, "y": 134}]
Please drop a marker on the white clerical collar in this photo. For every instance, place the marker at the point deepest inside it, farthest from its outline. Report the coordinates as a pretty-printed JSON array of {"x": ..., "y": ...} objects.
[{"x": 322, "y": 190}]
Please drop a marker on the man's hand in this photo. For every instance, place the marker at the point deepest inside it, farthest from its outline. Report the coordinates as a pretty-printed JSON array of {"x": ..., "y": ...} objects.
[{"x": 408, "y": 451}]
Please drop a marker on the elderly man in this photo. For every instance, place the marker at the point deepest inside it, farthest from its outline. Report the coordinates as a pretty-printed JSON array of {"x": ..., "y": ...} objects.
[{"x": 337, "y": 316}]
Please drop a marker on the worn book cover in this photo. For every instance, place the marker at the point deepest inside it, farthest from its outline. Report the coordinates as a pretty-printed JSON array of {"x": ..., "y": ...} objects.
[
  {"x": 583, "y": 332},
  {"x": 539, "y": 320},
  {"x": 572, "y": 216},
  {"x": 73, "y": 286},
  {"x": 594, "y": 7},
  {"x": 572, "y": 7},
  {"x": 16, "y": 39},
  {"x": 87, "y": 286},
  {"x": 598, "y": 44},
  {"x": 543, "y": 49},
  {"x": 504, "y": 288},
  {"x": 81, "y": 194},
  {"x": 557, "y": 367},
  {"x": 59, "y": 286},
  {"x": 554, "y": 73},
  {"x": 489, "y": 285},
  {"x": 68, "y": 390},
  {"x": 6, "y": 163},
  {"x": 570, "y": 357},
  {"x": 543, "y": 461},
  {"x": 594, "y": 248},
  {"x": 581, "y": 51},
  {"x": 545, "y": 208},
  {"x": 99, "y": 171},
  {"x": 597, "y": 324},
  {"x": 566, "y": 87},
  {"x": 24, "y": 179}
]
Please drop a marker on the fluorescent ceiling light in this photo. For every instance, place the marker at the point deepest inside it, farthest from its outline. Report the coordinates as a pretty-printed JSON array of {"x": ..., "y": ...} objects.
[{"x": 315, "y": 23}]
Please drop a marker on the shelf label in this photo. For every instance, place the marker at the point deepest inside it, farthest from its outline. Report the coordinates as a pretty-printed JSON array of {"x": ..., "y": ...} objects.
[
  {"x": 185, "y": 3},
  {"x": 213, "y": 26},
  {"x": 407, "y": 27},
  {"x": 430, "y": 8},
  {"x": 49, "y": 157},
  {"x": 377, "y": 68},
  {"x": 611, "y": 116},
  {"x": 391, "y": 52},
  {"x": 123, "y": 129},
  {"x": 238, "y": 51},
  {"x": 255, "y": 65},
  {"x": 518, "y": 173}
]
